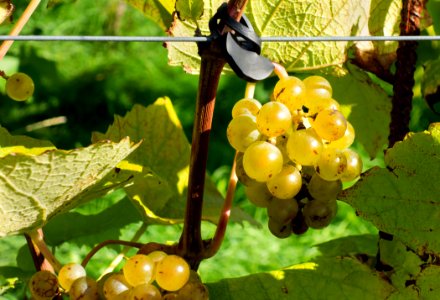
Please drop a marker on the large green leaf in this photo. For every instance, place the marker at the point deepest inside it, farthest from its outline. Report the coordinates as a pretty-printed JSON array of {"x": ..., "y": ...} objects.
[
  {"x": 21, "y": 144},
  {"x": 350, "y": 245},
  {"x": 159, "y": 11},
  {"x": 34, "y": 188},
  {"x": 404, "y": 198},
  {"x": 160, "y": 166},
  {"x": 366, "y": 105},
  {"x": 327, "y": 278}
]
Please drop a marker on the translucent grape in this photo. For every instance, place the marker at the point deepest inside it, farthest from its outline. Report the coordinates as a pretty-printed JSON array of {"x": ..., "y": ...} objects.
[
  {"x": 43, "y": 285},
  {"x": 304, "y": 147},
  {"x": 242, "y": 131},
  {"x": 319, "y": 214},
  {"x": 246, "y": 106},
  {"x": 317, "y": 87},
  {"x": 19, "y": 86},
  {"x": 172, "y": 273},
  {"x": 286, "y": 184},
  {"x": 145, "y": 292},
  {"x": 258, "y": 194},
  {"x": 321, "y": 189},
  {"x": 330, "y": 124},
  {"x": 282, "y": 211},
  {"x": 138, "y": 269},
  {"x": 241, "y": 173},
  {"x": 262, "y": 160},
  {"x": 290, "y": 91},
  {"x": 315, "y": 105},
  {"x": 346, "y": 140},
  {"x": 354, "y": 165},
  {"x": 84, "y": 288},
  {"x": 69, "y": 273},
  {"x": 273, "y": 119},
  {"x": 331, "y": 164},
  {"x": 279, "y": 230},
  {"x": 114, "y": 285}
]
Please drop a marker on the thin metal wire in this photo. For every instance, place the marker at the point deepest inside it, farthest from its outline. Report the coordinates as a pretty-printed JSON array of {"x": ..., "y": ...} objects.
[{"x": 90, "y": 38}]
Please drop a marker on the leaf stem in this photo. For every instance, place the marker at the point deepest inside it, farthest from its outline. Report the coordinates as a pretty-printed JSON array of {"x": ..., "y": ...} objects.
[
  {"x": 37, "y": 239},
  {"x": 24, "y": 18}
]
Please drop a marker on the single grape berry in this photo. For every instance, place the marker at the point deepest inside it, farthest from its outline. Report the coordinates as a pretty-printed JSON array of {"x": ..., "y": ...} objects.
[
  {"x": 274, "y": 119},
  {"x": 286, "y": 184},
  {"x": 319, "y": 214},
  {"x": 43, "y": 285},
  {"x": 262, "y": 160},
  {"x": 19, "y": 86},
  {"x": 304, "y": 146},
  {"x": 331, "y": 164},
  {"x": 114, "y": 285},
  {"x": 354, "y": 165},
  {"x": 290, "y": 91},
  {"x": 242, "y": 131},
  {"x": 69, "y": 273},
  {"x": 330, "y": 124},
  {"x": 246, "y": 106},
  {"x": 145, "y": 292},
  {"x": 282, "y": 211},
  {"x": 84, "y": 288},
  {"x": 172, "y": 273},
  {"x": 139, "y": 269}
]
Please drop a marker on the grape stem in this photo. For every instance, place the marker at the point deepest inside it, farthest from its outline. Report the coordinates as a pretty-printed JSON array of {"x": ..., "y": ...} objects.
[
  {"x": 280, "y": 71},
  {"x": 191, "y": 245},
  {"x": 36, "y": 238},
  {"x": 24, "y": 18}
]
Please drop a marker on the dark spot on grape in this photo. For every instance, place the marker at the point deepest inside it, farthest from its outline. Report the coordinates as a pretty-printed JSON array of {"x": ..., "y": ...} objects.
[{"x": 317, "y": 169}]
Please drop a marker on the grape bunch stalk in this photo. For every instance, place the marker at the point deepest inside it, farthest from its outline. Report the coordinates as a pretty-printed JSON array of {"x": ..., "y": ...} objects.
[{"x": 293, "y": 153}]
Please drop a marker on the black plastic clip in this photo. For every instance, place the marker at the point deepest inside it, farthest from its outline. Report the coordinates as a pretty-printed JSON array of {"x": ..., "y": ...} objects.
[{"x": 241, "y": 46}]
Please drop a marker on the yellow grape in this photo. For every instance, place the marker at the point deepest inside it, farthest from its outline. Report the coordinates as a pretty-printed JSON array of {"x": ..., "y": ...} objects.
[
  {"x": 290, "y": 91},
  {"x": 304, "y": 147},
  {"x": 354, "y": 165},
  {"x": 19, "y": 86},
  {"x": 145, "y": 292},
  {"x": 84, "y": 288},
  {"x": 138, "y": 269},
  {"x": 315, "y": 105},
  {"x": 346, "y": 140},
  {"x": 241, "y": 173},
  {"x": 242, "y": 131},
  {"x": 321, "y": 189},
  {"x": 286, "y": 184},
  {"x": 330, "y": 124},
  {"x": 317, "y": 87},
  {"x": 331, "y": 164},
  {"x": 43, "y": 285},
  {"x": 69, "y": 273},
  {"x": 274, "y": 119},
  {"x": 114, "y": 285},
  {"x": 246, "y": 106},
  {"x": 262, "y": 160},
  {"x": 172, "y": 273},
  {"x": 258, "y": 194}
]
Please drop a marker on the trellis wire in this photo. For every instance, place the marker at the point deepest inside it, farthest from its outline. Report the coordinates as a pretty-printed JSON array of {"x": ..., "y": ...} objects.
[{"x": 90, "y": 38}]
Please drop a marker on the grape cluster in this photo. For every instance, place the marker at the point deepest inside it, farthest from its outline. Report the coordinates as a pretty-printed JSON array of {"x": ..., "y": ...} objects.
[
  {"x": 155, "y": 276},
  {"x": 293, "y": 153}
]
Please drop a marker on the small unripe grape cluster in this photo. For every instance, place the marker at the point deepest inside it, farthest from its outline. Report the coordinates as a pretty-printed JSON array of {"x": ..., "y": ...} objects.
[
  {"x": 154, "y": 276},
  {"x": 293, "y": 153}
]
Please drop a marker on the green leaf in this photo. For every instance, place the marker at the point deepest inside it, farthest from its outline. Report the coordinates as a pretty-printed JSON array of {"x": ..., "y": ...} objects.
[
  {"x": 350, "y": 245},
  {"x": 159, "y": 11},
  {"x": 189, "y": 9},
  {"x": 297, "y": 18},
  {"x": 366, "y": 105},
  {"x": 34, "y": 188},
  {"x": 431, "y": 83},
  {"x": 21, "y": 144},
  {"x": 160, "y": 166},
  {"x": 404, "y": 198},
  {"x": 327, "y": 278}
]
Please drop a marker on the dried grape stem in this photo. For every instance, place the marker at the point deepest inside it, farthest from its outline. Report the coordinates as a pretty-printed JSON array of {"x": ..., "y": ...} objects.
[
  {"x": 405, "y": 67},
  {"x": 49, "y": 261}
]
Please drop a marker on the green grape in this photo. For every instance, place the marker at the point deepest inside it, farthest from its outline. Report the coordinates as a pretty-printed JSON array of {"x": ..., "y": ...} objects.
[
  {"x": 274, "y": 119},
  {"x": 246, "y": 106},
  {"x": 304, "y": 147},
  {"x": 84, "y": 288},
  {"x": 69, "y": 273},
  {"x": 19, "y": 86},
  {"x": 262, "y": 160},
  {"x": 145, "y": 292},
  {"x": 170, "y": 296},
  {"x": 298, "y": 224},
  {"x": 172, "y": 273},
  {"x": 114, "y": 285},
  {"x": 241, "y": 173},
  {"x": 316, "y": 105},
  {"x": 319, "y": 214},
  {"x": 321, "y": 189},
  {"x": 138, "y": 269},
  {"x": 279, "y": 230},
  {"x": 317, "y": 87},
  {"x": 258, "y": 194},
  {"x": 354, "y": 165},
  {"x": 125, "y": 295},
  {"x": 331, "y": 164},
  {"x": 242, "y": 131},
  {"x": 346, "y": 140},
  {"x": 286, "y": 184},
  {"x": 330, "y": 124},
  {"x": 194, "y": 289},
  {"x": 43, "y": 285},
  {"x": 290, "y": 91},
  {"x": 282, "y": 211}
]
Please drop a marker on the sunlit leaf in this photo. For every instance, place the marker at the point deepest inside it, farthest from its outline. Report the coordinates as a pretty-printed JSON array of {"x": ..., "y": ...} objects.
[
  {"x": 159, "y": 11},
  {"x": 34, "y": 188},
  {"x": 404, "y": 198},
  {"x": 431, "y": 84},
  {"x": 189, "y": 9},
  {"x": 327, "y": 278}
]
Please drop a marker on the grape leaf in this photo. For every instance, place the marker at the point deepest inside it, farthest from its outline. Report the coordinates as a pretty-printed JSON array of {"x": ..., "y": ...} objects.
[
  {"x": 34, "y": 188},
  {"x": 366, "y": 105},
  {"x": 21, "y": 144},
  {"x": 431, "y": 84},
  {"x": 404, "y": 198},
  {"x": 159, "y": 11},
  {"x": 160, "y": 166},
  {"x": 350, "y": 245},
  {"x": 189, "y": 9},
  {"x": 326, "y": 278}
]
